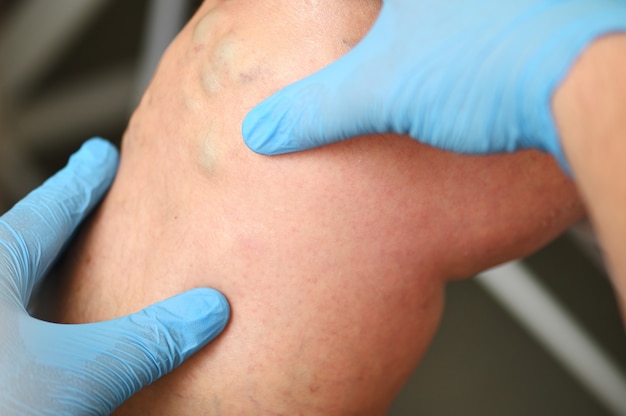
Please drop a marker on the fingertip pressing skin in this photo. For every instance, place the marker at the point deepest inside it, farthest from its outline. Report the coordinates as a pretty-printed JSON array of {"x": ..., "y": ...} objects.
[{"x": 194, "y": 318}]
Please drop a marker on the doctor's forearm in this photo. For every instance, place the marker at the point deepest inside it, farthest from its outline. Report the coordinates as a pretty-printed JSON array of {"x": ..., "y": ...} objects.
[{"x": 590, "y": 111}]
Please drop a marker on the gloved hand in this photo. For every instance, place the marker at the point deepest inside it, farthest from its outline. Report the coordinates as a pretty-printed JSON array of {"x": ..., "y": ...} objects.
[
  {"x": 472, "y": 76},
  {"x": 53, "y": 369}
]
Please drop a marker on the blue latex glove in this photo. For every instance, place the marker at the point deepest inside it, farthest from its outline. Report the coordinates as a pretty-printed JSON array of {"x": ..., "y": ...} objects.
[
  {"x": 53, "y": 369},
  {"x": 468, "y": 76}
]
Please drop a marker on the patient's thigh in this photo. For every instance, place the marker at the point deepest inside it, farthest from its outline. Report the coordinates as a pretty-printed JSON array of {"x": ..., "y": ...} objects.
[{"x": 334, "y": 260}]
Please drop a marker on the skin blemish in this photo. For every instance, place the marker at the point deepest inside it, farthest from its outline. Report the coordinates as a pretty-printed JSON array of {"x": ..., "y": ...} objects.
[
  {"x": 348, "y": 44},
  {"x": 249, "y": 76}
]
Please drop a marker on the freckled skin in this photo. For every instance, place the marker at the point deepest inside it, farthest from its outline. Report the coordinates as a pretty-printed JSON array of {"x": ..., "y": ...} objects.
[{"x": 334, "y": 260}]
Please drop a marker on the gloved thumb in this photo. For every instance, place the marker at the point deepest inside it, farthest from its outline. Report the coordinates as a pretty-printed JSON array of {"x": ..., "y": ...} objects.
[
  {"x": 160, "y": 337},
  {"x": 338, "y": 102},
  {"x": 105, "y": 363}
]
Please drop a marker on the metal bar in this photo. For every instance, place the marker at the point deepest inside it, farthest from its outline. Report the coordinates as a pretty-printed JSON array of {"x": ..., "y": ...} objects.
[{"x": 543, "y": 316}]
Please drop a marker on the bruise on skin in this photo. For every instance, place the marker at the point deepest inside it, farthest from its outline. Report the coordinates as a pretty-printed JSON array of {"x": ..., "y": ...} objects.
[
  {"x": 207, "y": 153},
  {"x": 211, "y": 83},
  {"x": 214, "y": 33},
  {"x": 220, "y": 68},
  {"x": 217, "y": 45},
  {"x": 223, "y": 64},
  {"x": 217, "y": 67},
  {"x": 207, "y": 25}
]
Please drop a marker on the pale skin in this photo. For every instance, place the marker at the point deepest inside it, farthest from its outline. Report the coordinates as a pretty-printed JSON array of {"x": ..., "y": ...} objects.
[
  {"x": 334, "y": 260},
  {"x": 590, "y": 110}
]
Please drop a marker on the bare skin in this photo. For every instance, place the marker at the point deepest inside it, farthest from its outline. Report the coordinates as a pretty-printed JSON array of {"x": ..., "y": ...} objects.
[
  {"x": 590, "y": 110},
  {"x": 334, "y": 260}
]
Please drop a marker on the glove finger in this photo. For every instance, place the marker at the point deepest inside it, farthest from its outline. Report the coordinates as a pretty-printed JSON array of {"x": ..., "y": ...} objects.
[
  {"x": 35, "y": 230},
  {"x": 104, "y": 363},
  {"x": 338, "y": 102}
]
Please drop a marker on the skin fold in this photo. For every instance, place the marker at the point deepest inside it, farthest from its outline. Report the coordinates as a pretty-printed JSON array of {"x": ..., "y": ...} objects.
[{"x": 334, "y": 260}]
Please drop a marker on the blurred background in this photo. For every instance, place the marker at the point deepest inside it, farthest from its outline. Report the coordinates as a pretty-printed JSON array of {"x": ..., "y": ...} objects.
[{"x": 541, "y": 337}]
